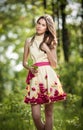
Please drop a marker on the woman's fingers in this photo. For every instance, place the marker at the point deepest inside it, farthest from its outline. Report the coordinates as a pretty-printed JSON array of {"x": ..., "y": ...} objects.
[{"x": 33, "y": 70}]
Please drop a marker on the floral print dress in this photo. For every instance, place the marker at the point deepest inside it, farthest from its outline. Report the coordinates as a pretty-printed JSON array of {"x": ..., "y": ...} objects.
[{"x": 43, "y": 87}]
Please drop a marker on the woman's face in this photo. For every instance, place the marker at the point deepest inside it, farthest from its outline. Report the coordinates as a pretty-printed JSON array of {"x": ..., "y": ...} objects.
[{"x": 41, "y": 26}]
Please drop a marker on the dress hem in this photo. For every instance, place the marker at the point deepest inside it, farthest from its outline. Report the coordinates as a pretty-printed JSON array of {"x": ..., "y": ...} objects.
[{"x": 45, "y": 101}]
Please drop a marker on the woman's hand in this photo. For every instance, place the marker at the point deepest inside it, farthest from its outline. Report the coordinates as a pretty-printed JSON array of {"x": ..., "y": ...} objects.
[
  {"x": 45, "y": 48},
  {"x": 51, "y": 54},
  {"x": 33, "y": 69}
]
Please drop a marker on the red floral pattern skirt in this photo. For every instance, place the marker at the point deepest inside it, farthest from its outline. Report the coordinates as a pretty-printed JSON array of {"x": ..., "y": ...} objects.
[{"x": 43, "y": 87}]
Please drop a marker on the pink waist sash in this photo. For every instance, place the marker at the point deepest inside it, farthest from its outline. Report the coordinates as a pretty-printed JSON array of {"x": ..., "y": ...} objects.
[{"x": 42, "y": 63}]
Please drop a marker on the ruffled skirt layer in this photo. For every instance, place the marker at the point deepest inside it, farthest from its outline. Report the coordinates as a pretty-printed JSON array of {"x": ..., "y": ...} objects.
[{"x": 44, "y": 87}]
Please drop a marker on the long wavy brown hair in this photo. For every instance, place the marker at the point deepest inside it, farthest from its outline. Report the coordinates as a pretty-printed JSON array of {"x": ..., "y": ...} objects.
[{"x": 50, "y": 34}]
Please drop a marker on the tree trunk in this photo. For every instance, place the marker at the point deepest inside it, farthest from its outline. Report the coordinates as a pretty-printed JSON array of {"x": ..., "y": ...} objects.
[
  {"x": 53, "y": 9},
  {"x": 65, "y": 35},
  {"x": 58, "y": 31},
  {"x": 33, "y": 12},
  {"x": 82, "y": 28},
  {"x": 44, "y": 4}
]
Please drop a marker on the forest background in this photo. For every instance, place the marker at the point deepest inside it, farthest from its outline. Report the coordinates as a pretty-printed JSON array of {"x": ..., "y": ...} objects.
[{"x": 17, "y": 22}]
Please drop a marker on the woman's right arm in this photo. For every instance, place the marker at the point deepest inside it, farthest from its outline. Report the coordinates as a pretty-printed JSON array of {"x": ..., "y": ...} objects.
[
  {"x": 26, "y": 53},
  {"x": 25, "y": 57}
]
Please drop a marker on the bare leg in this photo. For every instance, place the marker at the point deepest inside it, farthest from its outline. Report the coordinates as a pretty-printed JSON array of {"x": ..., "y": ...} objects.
[
  {"x": 49, "y": 116},
  {"x": 36, "y": 114}
]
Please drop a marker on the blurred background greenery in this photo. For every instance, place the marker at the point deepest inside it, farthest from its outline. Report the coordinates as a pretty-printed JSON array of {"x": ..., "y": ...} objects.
[{"x": 17, "y": 22}]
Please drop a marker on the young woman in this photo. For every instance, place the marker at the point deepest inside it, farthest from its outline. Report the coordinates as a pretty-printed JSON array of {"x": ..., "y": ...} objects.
[{"x": 44, "y": 86}]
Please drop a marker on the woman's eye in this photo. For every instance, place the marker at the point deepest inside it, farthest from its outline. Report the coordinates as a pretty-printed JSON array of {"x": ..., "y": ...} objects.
[{"x": 41, "y": 24}]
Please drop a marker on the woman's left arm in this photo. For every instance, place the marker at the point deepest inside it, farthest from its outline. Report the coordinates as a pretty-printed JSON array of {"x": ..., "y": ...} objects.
[{"x": 52, "y": 56}]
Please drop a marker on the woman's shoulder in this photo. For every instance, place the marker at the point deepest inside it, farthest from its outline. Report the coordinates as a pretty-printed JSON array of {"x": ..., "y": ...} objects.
[{"x": 28, "y": 41}]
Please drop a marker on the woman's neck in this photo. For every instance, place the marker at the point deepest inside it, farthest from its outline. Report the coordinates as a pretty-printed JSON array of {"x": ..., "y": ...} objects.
[{"x": 37, "y": 34}]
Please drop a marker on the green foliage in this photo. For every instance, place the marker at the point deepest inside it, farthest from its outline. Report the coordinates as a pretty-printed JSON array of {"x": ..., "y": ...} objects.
[
  {"x": 71, "y": 76},
  {"x": 17, "y": 21},
  {"x": 15, "y": 114}
]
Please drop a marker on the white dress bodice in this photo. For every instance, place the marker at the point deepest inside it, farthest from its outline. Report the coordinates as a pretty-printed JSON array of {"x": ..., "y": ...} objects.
[{"x": 36, "y": 54}]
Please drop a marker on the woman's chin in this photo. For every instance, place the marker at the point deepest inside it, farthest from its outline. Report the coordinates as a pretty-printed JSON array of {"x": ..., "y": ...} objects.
[{"x": 39, "y": 33}]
